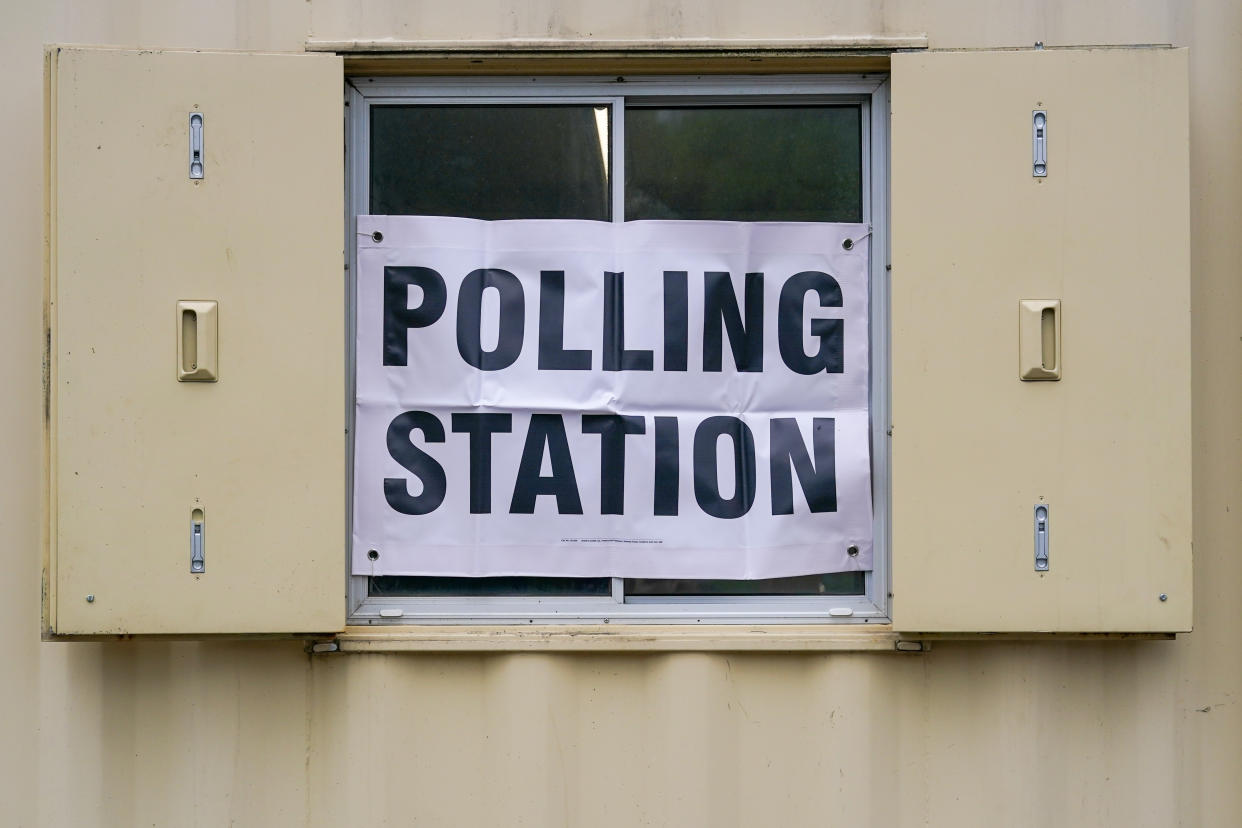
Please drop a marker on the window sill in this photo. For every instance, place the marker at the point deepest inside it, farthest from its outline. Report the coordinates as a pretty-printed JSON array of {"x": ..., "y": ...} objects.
[{"x": 623, "y": 638}]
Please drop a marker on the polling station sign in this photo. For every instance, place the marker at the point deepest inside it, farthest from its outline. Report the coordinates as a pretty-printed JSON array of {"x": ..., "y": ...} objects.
[{"x": 657, "y": 399}]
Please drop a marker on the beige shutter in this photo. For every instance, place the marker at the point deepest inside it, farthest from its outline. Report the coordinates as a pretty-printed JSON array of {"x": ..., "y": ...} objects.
[
  {"x": 133, "y": 451},
  {"x": 1107, "y": 446}
]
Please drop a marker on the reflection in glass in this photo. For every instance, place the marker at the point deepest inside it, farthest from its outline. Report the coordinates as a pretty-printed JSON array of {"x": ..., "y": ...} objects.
[
  {"x": 426, "y": 586},
  {"x": 744, "y": 163},
  {"x": 838, "y": 583},
  {"x": 490, "y": 162}
]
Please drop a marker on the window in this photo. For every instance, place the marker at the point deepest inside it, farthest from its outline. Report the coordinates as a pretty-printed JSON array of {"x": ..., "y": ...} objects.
[
  {"x": 733, "y": 149},
  {"x": 975, "y": 450}
]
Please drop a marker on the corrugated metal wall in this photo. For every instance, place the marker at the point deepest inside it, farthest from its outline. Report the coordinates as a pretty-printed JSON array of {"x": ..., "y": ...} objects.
[{"x": 983, "y": 733}]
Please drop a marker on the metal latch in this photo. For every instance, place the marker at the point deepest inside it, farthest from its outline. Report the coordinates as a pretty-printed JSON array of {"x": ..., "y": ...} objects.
[
  {"x": 1039, "y": 143},
  {"x": 196, "y": 145},
  {"x": 197, "y": 562},
  {"x": 1041, "y": 537}
]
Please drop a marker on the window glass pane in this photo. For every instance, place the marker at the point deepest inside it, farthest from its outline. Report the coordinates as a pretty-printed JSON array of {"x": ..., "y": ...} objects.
[
  {"x": 491, "y": 162},
  {"x": 839, "y": 583},
  {"x": 400, "y": 585},
  {"x": 741, "y": 163},
  {"x": 744, "y": 163}
]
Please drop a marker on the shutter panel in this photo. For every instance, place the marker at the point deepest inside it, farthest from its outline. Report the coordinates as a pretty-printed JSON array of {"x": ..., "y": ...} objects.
[
  {"x": 1107, "y": 446},
  {"x": 133, "y": 451}
]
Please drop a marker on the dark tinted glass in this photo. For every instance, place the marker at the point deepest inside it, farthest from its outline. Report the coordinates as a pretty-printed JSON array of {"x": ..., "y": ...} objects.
[
  {"x": 490, "y": 162},
  {"x": 744, "y": 163},
  {"x": 403, "y": 586},
  {"x": 732, "y": 163},
  {"x": 840, "y": 583}
]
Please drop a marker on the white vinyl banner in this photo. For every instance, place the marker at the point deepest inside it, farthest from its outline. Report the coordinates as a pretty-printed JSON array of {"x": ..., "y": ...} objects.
[{"x": 658, "y": 399}]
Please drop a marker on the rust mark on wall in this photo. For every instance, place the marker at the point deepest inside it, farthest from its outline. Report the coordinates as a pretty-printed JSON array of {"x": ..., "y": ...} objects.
[{"x": 46, "y": 368}]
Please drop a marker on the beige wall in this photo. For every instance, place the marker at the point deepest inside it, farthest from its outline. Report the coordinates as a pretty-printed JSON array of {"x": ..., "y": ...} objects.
[{"x": 1107, "y": 733}]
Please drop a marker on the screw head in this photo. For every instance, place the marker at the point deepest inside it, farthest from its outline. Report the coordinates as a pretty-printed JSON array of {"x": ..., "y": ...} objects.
[
  {"x": 1164, "y": 597},
  {"x": 90, "y": 599}
]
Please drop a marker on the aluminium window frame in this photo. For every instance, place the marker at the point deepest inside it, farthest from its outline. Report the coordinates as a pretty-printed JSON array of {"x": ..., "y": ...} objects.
[{"x": 871, "y": 91}]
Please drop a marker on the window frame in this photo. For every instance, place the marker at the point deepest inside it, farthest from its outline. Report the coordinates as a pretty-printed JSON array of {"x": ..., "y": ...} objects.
[{"x": 871, "y": 92}]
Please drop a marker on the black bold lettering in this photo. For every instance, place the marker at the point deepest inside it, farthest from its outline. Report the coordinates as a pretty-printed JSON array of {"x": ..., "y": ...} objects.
[
  {"x": 470, "y": 319},
  {"x": 399, "y": 317},
  {"x": 818, "y": 479},
  {"x": 612, "y": 429},
  {"x": 481, "y": 427},
  {"x": 707, "y": 482},
  {"x": 676, "y": 319},
  {"x": 552, "y": 353},
  {"x": 415, "y": 460},
  {"x": 616, "y": 357},
  {"x": 831, "y": 332},
  {"x": 720, "y": 306},
  {"x": 549, "y": 430},
  {"x": 667, "y": 465}
]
